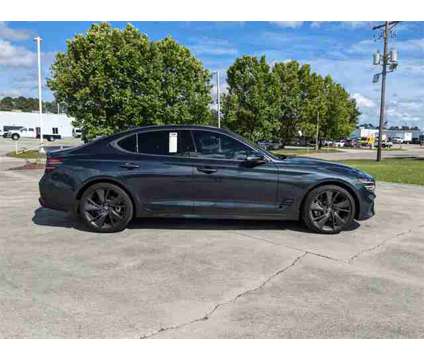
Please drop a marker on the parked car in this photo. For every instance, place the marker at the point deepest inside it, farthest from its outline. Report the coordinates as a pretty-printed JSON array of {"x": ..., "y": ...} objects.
[
  {"x": 339, "y": 143},
  {"x": 76, "y": 132},
  {"x": 397, "y": 140},
  {"x": 351, "y": 143},
  {"x": 269, "y": 145},
  {"x": 201, "y": 172},
  {"x": 384, "y": 144}
]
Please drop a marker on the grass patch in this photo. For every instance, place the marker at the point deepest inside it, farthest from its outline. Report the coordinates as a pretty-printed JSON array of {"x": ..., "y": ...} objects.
[
  {"x": 405, "y": 171},
  {"x": 29, "y": 154},
  {"x": 304, "y": 151},
  {"x": 383, "y": 149}
]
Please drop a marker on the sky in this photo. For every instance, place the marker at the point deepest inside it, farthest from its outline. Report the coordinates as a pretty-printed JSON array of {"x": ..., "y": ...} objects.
[{"x": 341, "y": 49}]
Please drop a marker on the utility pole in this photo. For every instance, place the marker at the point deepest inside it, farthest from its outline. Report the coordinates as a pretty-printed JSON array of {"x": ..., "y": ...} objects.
[
  {"x": 40, "y": 101},
  {"x": 390, "y": 60},
  {"x": 317, "y": 133},
  {"x": 218, "y": 100}
]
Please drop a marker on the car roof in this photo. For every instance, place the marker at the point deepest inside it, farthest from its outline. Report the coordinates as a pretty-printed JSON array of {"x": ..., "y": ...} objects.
[
  {"x": 172, "y": 127},
  {"x": 176, "y": 126}
]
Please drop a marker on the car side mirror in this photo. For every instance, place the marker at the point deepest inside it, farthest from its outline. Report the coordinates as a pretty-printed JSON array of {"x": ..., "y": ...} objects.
[{"x": 254, "y": 160}]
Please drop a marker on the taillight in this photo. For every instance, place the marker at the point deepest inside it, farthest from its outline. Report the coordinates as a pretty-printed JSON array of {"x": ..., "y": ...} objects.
[{"x": 52, "y": 163}]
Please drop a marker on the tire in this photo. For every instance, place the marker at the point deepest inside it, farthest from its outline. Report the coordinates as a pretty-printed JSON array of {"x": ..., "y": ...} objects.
[
  {"x": 328, "y": 209},
  {"x": 105, "y": 208},
  {"x": 15, "y": 137}
]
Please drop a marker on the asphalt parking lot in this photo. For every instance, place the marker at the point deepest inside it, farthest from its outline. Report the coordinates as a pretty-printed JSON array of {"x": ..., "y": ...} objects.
[{"x": 209, "y": 279}]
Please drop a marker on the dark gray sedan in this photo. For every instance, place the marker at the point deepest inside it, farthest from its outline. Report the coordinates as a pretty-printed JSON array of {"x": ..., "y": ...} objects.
[{"x": 200, "y": 172}]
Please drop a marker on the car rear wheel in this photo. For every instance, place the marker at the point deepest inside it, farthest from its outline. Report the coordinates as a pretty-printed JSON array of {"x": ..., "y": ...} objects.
[
  {"x": 329, "y": 209},
  {"x": 106, "y": 208}
]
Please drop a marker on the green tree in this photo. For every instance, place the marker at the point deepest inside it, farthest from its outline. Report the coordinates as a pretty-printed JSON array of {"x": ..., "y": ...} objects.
[
  {"x": 292, "y": 79},
  {"x": 250, "y": 106},
  {"x": 111, "y": 79},
  {"x": 25, "y": 104}
]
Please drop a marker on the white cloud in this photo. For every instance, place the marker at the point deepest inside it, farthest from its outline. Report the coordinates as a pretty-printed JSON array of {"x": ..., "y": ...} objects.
[
  {"x": 11, "y": 93},
  {"x": 288, "y": 24},
  {"x": 356, "y": 24},
  {"x": 316, "y": 24},
  {"x": 209, "y": 46},
  {"x": 411, "y": 45},
  {"x": 15, "y": 56},
  {"x": 364, "y": 47},
  {"x": 13, "y": 34},
  {"x": 363, "y": 101}
]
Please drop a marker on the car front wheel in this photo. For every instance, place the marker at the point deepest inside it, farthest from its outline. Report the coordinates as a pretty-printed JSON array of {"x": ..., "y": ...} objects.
[
  {"x": 329, "y": 209},
  {"x": 106, "y": 208}
]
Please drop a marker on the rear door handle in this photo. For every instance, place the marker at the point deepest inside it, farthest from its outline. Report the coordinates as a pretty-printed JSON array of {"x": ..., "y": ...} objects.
[
  {"x": 206, "y": 170},
  {"x": 129, "y": 165}
]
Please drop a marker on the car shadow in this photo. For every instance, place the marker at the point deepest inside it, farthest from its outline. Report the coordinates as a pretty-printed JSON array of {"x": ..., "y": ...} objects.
[{"x": 48, "y": 217}]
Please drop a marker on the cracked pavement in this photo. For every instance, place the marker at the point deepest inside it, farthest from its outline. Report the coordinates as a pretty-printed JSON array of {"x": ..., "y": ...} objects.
[{"x": 209, "y": 279}]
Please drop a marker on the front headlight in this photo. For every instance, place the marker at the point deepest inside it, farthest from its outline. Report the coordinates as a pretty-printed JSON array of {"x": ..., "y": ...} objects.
[{"x": 368, "y": 184}]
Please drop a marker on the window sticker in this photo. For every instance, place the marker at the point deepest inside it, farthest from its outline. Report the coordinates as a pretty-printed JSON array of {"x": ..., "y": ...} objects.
[{"x": 173, "y": 139}]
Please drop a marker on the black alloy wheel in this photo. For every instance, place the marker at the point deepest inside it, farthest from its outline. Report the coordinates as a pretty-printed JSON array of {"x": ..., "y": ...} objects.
[
  {"x": 329, "y": 209},
  {"x": 106, "y": 208}
]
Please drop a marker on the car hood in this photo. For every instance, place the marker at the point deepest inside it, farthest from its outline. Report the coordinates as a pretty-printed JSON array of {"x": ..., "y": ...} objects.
[{"x": 313, "y": 164}]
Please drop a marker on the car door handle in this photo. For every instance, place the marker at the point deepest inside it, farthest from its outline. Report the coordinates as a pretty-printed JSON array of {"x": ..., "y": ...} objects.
[
  {"x": 129, "y": 166},
  {"x": 206, "y": 170}
]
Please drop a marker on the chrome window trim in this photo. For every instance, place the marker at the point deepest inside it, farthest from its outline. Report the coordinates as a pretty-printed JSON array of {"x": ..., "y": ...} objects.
[{"x": 114, "y": 143}]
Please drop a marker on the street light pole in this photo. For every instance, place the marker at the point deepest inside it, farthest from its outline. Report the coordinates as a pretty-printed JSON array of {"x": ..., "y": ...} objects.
[
  {"x": 383, "y": 90},
  {"x": 218, "y": 100},
  {"x": 40, "y": 100}
]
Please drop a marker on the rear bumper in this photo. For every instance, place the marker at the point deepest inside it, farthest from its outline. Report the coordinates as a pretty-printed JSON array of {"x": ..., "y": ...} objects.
[{"x": 55, "y": 194}]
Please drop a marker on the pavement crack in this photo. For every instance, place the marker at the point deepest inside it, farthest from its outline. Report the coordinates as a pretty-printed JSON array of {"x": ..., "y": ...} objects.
[
  {"x": 380, "y": 244},
  {"x": 232, "y": 300},
  {"x": 293, "y": 248}
]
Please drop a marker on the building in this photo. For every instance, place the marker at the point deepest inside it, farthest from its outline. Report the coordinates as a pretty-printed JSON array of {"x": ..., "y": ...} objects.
[
  {"x": 405, "y": 135},
  {"x": 57, "y": 124}
]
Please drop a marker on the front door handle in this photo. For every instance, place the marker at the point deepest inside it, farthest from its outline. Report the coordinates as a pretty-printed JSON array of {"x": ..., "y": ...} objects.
[
  {"x": 206, "y": 170},
  {"x": 129, "y": 166}
]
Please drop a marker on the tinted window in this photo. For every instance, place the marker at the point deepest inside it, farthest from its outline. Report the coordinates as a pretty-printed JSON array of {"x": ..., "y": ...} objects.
[
  {"x": 175, "y": 143},
  {"x": 219, "y": 146},
  {"x": 129, "y": 143}
]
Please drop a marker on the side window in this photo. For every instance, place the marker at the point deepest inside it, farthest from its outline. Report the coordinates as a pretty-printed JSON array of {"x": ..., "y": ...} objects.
[
  {"x": 218, "y": 146},
  {"x": 129, "y": 143},
  {"x": 55, "y": 131},
  {"x": 173, "y": 143}
]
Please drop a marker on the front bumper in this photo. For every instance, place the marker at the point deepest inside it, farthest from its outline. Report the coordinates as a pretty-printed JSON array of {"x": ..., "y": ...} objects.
[{"x": 366, "y": 204}]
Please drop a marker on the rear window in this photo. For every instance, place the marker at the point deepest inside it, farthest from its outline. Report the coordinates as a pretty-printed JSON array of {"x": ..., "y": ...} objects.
[{"x": 129, "y": 143}]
